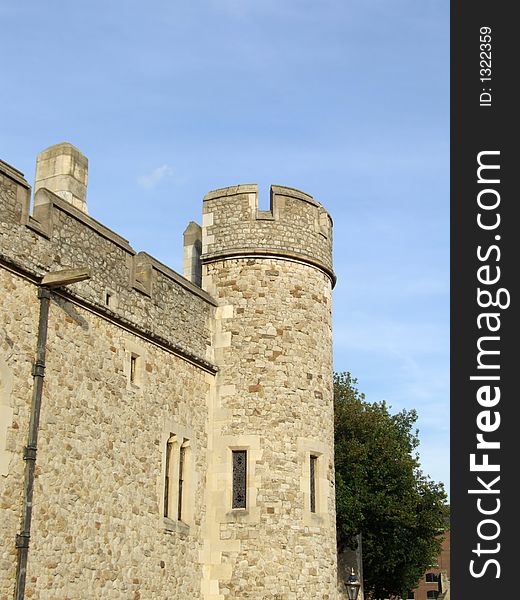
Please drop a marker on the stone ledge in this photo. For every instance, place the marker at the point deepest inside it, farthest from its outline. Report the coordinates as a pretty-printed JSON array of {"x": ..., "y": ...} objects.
[
  {"x": 234, "y": 190},
  {"x": 105, "y": 312},
  {"x": 280, "y": 253},
  {"x": 14, "y": 174},
  {"x": 171, "y": 526}
]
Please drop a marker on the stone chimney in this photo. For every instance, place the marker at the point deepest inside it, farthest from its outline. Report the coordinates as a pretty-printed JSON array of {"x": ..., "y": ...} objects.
[
  {"x": 192, "y": 251},
  {"x": 62, "y": 169}
]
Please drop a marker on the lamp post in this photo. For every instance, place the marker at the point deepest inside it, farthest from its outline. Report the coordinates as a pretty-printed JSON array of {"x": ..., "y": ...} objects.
[{"x": 353, "y": 585}]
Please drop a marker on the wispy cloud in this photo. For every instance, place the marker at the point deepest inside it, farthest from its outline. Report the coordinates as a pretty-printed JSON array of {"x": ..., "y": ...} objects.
[{"x": 153, "y": 179}]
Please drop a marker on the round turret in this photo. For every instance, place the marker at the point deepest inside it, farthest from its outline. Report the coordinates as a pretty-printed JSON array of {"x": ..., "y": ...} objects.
[{"x": 271, "y": 485}]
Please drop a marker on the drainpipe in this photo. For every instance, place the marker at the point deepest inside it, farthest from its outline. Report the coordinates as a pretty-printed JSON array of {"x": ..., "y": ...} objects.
[{"x": 56, "y": 279}]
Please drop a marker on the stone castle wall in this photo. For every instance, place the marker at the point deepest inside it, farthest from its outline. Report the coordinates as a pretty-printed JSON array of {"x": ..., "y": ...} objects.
[
  {"x": 138, "y": 356},
  {"x": 98, "y": 529}
]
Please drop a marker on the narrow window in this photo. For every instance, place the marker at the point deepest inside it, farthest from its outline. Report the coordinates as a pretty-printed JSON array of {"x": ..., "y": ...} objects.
[
  {"x": 108, "y": 298},
  {"x": 133, "y": 368},
  {"x": 167, "y": 476},
  {"x": 182, "y": 460},
  {"x": 239, "y": 478},
  {"x": 313, "y": 462}
]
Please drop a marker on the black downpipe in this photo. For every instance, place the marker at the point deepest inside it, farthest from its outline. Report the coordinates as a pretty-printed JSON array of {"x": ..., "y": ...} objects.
[{"x": 29, "y": 452}]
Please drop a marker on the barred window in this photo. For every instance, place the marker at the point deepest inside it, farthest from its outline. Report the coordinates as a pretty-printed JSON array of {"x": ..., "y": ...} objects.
[{"x": 239, "y": 478}]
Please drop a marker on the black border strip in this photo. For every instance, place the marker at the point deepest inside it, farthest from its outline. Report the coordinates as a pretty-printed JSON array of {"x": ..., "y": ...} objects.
[{"x": 484, "y": 255}]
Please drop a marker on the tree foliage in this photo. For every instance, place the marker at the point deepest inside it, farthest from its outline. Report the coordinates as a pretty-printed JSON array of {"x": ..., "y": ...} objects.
[{"x": 382, "y": 493}]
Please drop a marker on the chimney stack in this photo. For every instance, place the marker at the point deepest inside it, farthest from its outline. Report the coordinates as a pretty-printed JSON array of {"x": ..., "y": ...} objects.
[
  {"x": 62, "y": 169},
  {"x": 192, "y": 251}
]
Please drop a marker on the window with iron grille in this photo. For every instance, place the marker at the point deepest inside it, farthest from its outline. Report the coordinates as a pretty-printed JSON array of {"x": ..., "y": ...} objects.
[
  {"x": 313, "y": 463},
  {"x": 239, "y": 478}
]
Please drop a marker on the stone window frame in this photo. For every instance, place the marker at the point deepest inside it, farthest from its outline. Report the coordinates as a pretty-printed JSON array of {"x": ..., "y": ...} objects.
[
  {"x": 223, "y": 494},
  {"x": 110, "y": 299},
  {"x": 180, "y": 437},
  {"x": 313, "y": 481},
  {"x": 306, "y": 448},
  {"x": 234, "y": 452},
  {"x": 135, "y": 380}
]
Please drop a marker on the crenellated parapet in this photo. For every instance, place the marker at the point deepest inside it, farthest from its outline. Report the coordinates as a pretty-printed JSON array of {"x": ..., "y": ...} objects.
[
  {"x": 296, "y": 226},
  {"x": 130, "y": 287}
]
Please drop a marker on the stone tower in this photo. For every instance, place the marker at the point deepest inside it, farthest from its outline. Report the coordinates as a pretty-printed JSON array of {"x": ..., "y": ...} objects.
[{"x": 270, "y": 484}]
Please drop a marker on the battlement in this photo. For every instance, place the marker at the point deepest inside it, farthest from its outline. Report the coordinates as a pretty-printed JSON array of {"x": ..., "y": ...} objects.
[
  {"x": 296, "y": 226},
  {"x": 131, "y": 288}
]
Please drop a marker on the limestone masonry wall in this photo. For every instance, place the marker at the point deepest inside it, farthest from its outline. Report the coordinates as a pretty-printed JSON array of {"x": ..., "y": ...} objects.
[
  {"x": 276, "y": 401},
  {"x": 98, "y": 529},
  {"x": 152, "y": 382}
]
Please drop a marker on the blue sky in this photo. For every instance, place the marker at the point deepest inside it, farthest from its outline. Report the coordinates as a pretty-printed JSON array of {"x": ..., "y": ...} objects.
[{"x": 345, "y": 99}]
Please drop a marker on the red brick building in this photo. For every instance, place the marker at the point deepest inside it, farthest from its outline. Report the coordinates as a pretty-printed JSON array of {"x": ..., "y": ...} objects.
[{"x": 430, "y": 585}]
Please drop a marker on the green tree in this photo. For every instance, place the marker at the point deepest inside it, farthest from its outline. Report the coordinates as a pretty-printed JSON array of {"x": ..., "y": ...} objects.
[{"x": 382, "y": 493}]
